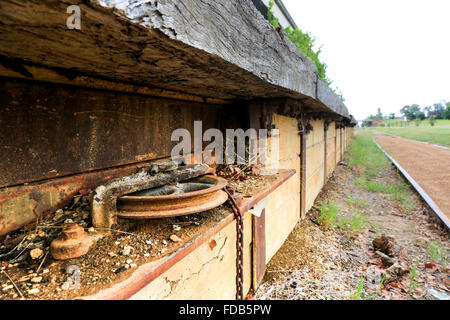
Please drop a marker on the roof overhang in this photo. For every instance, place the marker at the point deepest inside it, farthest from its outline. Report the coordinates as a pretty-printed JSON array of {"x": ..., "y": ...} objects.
[{"x": 207, "y": 48}]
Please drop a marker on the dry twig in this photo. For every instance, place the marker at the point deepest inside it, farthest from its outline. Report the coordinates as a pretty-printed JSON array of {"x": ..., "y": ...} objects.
[
  {"x": 42, "y": 262},
  {"x": 13, "y": 283}
]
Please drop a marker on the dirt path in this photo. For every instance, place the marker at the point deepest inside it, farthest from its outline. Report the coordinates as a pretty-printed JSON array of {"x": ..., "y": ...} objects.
[
  {"x": 428, "y": 165},
  {"x": 317, "y": 262}
]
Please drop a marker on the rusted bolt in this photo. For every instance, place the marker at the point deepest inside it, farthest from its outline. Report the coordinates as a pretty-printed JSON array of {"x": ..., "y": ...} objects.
[{"x": 72, "y": 243}]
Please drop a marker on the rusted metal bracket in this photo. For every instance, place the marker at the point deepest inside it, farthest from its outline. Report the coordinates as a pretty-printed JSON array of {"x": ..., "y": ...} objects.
[
  {"x": 325, "y": 147},
  {"x": 326, "y": 124},
  {"x": 304, "y": 124},
  {"x": 305, "y": 128},
  {"x": 303, "y": 175}
]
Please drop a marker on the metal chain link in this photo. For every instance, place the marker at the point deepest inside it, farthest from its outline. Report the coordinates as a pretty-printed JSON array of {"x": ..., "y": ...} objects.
[{"x": 239, "y": 244}]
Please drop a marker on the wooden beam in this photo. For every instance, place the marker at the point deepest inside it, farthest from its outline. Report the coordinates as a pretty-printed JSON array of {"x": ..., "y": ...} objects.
[
  {"x": 48, "y": 75},
  {"x": 201, "y": 48}
]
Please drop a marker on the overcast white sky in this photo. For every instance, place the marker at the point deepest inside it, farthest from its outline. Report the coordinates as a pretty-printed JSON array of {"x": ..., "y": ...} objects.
[{"x": 384, "y": 53}]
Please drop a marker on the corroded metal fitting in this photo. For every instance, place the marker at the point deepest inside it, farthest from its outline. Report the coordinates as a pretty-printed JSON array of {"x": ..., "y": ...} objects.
[{"x": 72, "y": 243}]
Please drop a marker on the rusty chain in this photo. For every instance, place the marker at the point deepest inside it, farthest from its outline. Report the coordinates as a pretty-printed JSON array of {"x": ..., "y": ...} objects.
[{"x": 239, "y": 244}]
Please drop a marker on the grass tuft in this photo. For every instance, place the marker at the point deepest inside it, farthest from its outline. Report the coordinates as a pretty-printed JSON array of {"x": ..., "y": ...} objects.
[
  {"x": 328, "y": 214},
  {"x": 355, "y": 223}
]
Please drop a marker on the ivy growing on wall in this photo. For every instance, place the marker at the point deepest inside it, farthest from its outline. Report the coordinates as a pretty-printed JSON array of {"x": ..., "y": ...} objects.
[{"x": 305, "y": 43}]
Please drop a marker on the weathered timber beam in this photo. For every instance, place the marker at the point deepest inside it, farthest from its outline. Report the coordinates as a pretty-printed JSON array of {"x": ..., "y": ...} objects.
[{"x": 225, "y": 50}]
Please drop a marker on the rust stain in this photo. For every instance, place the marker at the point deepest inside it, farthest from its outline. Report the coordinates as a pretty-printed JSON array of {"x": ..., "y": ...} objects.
[
  {"x": 17, "y": 203},
  {"x": 212, "y": 244},
  {"x": 87, "y": 130}
]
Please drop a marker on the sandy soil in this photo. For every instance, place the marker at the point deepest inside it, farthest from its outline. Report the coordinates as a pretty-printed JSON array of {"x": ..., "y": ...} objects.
[{"x": 428, "y": 165}]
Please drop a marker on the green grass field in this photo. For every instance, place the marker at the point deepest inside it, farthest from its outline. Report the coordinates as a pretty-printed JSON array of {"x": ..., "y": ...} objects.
[
  {"x": 439, "y": 134},
  {"x": 413, "y": 124}
]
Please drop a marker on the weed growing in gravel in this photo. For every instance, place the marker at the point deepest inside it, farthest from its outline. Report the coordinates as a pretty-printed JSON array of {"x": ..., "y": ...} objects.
[
  {"x": 433, "y": 252},
  {"x": 362, "y": 183},
  {"x": 376, "y": 186},
  {"x": 412, "y": 279},
  {"x": 329, "y": 217},
  {"x": 403, "y": 198},
  {"x": 360, "y": 203},
  {"x": 357, "y": 295},
  {"x": 364, "y": 153},
  {"x": 353, "y": 224},
  {"x": 328, "y": 214},
  {"x": 358, "y": 221},
  {"x": 381, "y": 283},
  {"x": 377, "y": 230},
  {"x": 438, "y": 252}
]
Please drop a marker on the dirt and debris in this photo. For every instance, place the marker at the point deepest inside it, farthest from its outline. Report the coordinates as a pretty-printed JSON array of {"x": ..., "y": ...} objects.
[
  {"x": 30, "y": 272},
  {"x": 384, "y": 244},
  {"x": 392, "y": 253}
]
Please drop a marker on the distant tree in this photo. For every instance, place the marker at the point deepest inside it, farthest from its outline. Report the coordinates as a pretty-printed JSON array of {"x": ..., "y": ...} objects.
[
  {"x": 410, "y": 112},
  {"x": 392, "y": 116},
  {"x": 418, "y": 121},
  {"x": 379, "y": 114},
  {"x": 366, "y": 123},
  {"x": 446, "y": 112},
  {"x": 420, "y": 115},
  {"x": 438, "y": 110},
  {"x": 432, "y": 120}
]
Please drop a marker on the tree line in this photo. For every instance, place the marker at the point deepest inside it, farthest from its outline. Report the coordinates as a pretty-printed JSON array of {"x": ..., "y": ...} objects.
[
  {"x": 433, "y": 112},
  {"x": 439, "y": 110}
]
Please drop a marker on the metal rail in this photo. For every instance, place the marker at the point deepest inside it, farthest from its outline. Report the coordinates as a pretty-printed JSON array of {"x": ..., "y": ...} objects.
[{"x": 418, "y": 188}]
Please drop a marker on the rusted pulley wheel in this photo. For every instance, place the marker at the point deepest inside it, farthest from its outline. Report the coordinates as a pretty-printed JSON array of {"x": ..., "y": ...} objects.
[{"x": 187, "y": 197}]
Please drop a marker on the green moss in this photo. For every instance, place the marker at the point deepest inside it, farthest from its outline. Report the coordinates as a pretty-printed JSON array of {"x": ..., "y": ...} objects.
[{"x": 304, "y": 41}]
